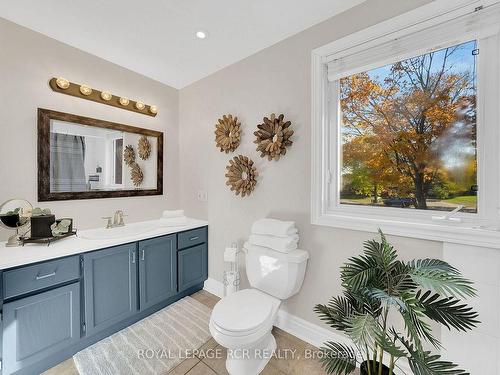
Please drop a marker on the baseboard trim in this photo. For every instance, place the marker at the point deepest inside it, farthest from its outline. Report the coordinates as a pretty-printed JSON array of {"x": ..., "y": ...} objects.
[
  {"x": 309, "y": 332},
  {"x": 306, "y": 331},
  {"x": 215, "y": 287}
]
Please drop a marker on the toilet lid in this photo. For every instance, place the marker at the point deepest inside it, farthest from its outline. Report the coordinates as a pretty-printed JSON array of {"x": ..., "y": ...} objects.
[{"x": 245, "y": 310}]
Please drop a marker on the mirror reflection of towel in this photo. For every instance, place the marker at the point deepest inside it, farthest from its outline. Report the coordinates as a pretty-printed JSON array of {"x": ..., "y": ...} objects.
[{"x": 67, "y": 157}]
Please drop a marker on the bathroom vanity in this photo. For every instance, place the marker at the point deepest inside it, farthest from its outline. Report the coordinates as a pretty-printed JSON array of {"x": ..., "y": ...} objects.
[{"x": 59, "y": 299}]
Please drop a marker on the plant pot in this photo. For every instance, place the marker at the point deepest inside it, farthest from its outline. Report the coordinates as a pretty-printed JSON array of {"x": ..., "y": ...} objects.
[
  {"x": 364, "y": 369},
  {"x": 11, "y": 220},
  {"x": 40, "y": 226}
]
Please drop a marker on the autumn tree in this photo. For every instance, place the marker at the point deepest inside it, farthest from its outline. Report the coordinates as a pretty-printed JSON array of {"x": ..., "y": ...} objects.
[
  {"x": 366, "y": 163},
  {"x": 393, "y": 127}
]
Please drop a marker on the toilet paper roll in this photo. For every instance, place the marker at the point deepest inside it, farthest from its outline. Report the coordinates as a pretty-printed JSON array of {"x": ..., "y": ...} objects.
[{"x": 230, "y": 254}]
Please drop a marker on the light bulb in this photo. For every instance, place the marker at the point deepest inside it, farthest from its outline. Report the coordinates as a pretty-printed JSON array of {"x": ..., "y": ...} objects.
[
  {"x": 106, "y": 95},
  {"x": 200, "y": 34},
  {"x": 85, "y": 90},
  {"x": 62, "y": 83},
  {"x": 124, "y": 101}
]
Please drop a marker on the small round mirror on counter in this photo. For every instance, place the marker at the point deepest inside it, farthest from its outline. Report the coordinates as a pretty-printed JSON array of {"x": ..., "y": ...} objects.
[{"x": 15, "y": 214}]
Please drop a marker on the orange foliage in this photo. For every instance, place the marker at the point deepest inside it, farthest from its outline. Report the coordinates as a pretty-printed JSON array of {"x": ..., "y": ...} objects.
[{"x": 391, "y": 127}]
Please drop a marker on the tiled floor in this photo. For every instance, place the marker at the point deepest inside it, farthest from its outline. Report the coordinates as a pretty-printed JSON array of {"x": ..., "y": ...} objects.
[{"x": 298, "y": 365}]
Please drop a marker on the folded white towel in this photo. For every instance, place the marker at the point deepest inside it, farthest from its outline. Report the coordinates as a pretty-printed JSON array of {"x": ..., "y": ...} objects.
[
  {"x": 274, "y": 227},
  {"x": 172, "y": 213},
  {"x": 173, "y": 221},
  {"x": 247, "y": 246},
  {"x": 281, "y": 244}
]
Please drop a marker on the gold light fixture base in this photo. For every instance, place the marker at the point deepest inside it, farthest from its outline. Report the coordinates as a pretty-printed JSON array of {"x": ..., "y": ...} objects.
[{"x": 73, "y": 89}]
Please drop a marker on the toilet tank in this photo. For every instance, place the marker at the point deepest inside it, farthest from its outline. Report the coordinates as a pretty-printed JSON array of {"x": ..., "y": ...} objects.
[{"x": 275, "y": 273}]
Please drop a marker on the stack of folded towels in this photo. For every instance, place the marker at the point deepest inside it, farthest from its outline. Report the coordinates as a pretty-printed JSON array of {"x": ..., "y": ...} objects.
[
  {"x": 278, "y": 235},
  {"x": 173, "y": 218}
]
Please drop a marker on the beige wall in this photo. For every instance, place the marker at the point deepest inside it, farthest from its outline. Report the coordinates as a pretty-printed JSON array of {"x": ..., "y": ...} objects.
[
  {"x": 274, "y": 80},
  {"x": 27, "y": 61}
]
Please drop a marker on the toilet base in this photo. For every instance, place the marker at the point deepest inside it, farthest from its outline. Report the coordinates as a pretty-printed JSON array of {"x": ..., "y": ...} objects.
[{"x": 251, "y": 360}]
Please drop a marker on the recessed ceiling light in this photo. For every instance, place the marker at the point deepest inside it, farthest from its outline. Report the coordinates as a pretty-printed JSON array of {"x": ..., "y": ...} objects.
[{"x": 201, "y": 34}]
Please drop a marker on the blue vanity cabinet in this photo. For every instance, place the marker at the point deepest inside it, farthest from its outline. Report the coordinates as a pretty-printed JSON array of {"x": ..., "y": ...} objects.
[
  {"x": 40, "y": 325},
  {"x": 50, "y": 310},
  {"x": 157, "y": 270},
  {"x": 110, "y": 279},
  {"x": 192, "y": 266}
]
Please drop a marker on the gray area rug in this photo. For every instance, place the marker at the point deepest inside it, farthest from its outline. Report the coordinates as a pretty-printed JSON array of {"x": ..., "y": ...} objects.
[{"x": 153, "y": 345}]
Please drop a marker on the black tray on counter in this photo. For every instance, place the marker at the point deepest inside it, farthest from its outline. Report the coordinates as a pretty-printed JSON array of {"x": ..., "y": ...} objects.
[{"x": 47, "y": 240}]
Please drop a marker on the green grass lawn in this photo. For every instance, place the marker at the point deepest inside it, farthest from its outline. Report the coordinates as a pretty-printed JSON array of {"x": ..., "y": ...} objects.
[
  {"x": 466, "y": 200},
  {"x": 469, "y": 201},
  {"x": 365, "y": 200}
]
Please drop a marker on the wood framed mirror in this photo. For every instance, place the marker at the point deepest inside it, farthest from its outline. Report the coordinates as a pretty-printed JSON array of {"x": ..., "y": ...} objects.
[{"x": 83, "y": 158}]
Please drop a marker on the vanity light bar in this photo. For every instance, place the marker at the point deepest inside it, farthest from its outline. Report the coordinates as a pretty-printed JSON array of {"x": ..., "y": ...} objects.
[{"x": 84, "y": 91}]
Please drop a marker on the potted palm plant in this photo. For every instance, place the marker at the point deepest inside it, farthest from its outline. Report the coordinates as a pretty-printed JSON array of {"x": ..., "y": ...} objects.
[{"x": 377, "y": 284}]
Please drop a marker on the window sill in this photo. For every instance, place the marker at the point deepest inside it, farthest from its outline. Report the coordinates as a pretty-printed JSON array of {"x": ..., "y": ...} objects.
[{"x": 451, "y": 233}]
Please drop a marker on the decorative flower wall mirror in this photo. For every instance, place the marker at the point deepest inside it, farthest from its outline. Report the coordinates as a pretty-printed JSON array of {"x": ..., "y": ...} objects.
[{"x": 84, "y": 158}]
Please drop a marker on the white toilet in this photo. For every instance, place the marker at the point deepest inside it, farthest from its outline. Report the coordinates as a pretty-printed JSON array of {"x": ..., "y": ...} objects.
[{"x": 242, "y": 322}]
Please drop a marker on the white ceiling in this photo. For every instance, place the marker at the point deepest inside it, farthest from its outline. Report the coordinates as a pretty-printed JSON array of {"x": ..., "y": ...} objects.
[{"x": 157, "y": 37}]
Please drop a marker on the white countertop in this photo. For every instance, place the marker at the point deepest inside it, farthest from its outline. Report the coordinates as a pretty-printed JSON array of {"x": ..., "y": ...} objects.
[{"x": 32, "y": 253}]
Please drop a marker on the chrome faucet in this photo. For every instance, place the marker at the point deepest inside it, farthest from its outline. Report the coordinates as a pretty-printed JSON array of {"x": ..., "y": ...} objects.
[
  {"x": 109, "y": 224},
  {"x": 116, "y": 220}
]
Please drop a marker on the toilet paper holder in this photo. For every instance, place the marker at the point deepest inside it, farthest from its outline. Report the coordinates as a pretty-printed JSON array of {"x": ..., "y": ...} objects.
[{"x": 231, "y": 277}]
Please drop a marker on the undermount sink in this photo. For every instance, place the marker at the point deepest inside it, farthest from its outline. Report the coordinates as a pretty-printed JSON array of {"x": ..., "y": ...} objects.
[{"x": 129, "y": 230}]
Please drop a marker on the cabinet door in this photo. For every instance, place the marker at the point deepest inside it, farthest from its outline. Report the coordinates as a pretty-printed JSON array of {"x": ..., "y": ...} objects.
[
  {"x": 110, "y": 286},
  {"x": 157, "y": 270},
  {"x": 40, "y": 325},
  {"x": 193, "y": 268}
]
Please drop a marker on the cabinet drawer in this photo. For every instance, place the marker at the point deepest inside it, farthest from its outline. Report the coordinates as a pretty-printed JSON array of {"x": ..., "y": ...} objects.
[
  {"x": 30, "y": 278},
  {"x": 192, "y": 237}
]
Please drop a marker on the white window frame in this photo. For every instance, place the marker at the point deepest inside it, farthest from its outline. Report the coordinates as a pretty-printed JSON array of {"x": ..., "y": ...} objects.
[
  {"x": 109, "y": 179},
  {"x": 113, "y": 164},
  {"x": 477, "y": 229}
]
